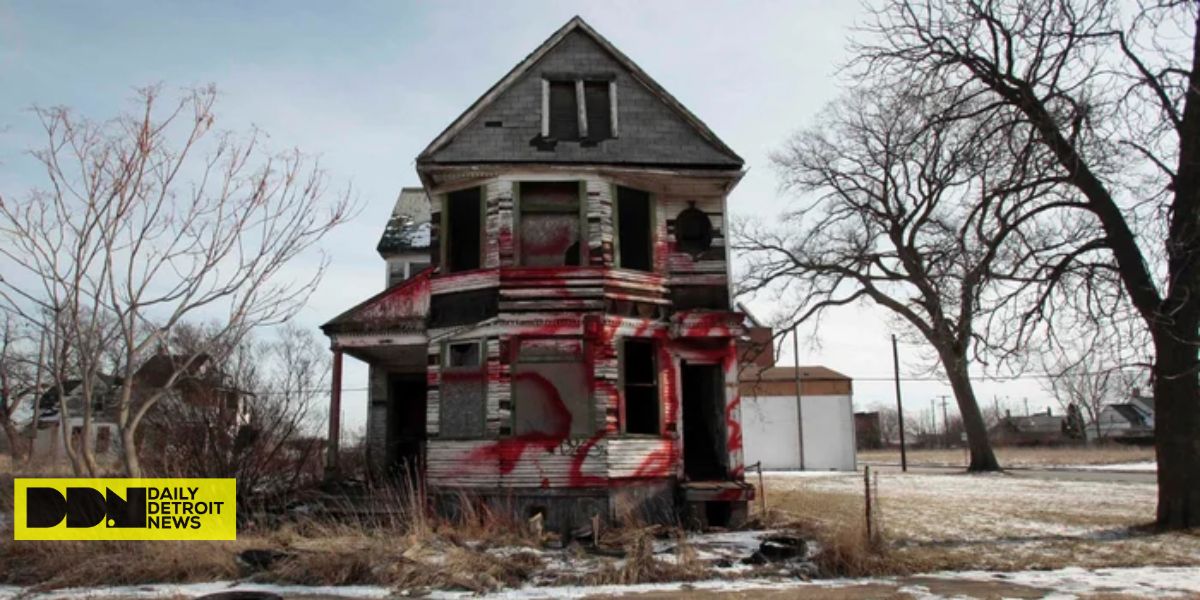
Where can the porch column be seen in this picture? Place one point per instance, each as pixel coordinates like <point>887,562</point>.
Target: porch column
<point>335,416</point>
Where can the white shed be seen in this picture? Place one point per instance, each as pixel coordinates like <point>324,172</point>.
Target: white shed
<point>815,433</point>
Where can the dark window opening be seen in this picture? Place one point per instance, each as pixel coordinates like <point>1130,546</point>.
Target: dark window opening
<point>641,386</point>
<point>463,354</point>
<point>599,110</point>
<point>461,308</point>
<point>693,231</point>
<point>464,230</point>
<point>550,224</point>
<point>633,230</point>
<point>691,297</point>
<point>564,111</point>
<point>493,123</point>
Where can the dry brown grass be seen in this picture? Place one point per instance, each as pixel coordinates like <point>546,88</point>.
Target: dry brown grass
<point>1018,456</point>
<point>955,522</point>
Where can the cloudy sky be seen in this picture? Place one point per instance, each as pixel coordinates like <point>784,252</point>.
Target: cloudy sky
<point>366,85</point>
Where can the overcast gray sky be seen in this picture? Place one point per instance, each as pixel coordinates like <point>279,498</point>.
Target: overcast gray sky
<point>366,85</point>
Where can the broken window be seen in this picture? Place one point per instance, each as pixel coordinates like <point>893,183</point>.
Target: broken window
<point>693,231</point>
<point>599,110</point>
<point>463,410</point>
<point>551,389</point>
<point>634,239</point>
<point>464,220</point>
<point>463,354</point>
<point>639,374</point>
<point>579,107</point>
<point>550,224</point>
<point>564,111</point>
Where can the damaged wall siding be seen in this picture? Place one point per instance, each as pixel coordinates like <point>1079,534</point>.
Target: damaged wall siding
<point>481,436</point>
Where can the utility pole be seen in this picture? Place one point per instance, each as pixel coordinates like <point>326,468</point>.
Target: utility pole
<point>799,398</point>
<point>932,415</point>
<point>1026,406</point>
<point>945,422</point>
<point>899,405</point>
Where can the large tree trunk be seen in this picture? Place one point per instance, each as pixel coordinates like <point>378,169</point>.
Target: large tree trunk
<point>14,439</point>
<point>982,457</point>
<point>1176,421</point>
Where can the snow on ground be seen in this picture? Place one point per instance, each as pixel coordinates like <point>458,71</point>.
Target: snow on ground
<point>1142,582</point>
<point>1141,467</point>
<point>996,521</point>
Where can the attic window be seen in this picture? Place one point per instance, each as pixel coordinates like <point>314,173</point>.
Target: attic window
<point>579,108</point>
<point>564,118</point>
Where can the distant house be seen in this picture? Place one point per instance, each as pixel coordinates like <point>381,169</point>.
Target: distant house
<point>1030,430</point>
<point>1131,421</point>
<point>201,389</point>
<point>46,426</point>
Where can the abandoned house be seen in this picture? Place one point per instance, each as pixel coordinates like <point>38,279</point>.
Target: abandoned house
<point>571,349</point>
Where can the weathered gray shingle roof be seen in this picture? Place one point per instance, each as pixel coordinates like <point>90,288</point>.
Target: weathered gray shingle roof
<point>408,229</point>
<point>504,125</point>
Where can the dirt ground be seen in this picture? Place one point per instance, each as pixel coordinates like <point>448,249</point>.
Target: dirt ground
<point>1017,457</point>
<point>990,522</point>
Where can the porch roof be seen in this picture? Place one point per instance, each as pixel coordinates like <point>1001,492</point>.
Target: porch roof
<point>400,308</point>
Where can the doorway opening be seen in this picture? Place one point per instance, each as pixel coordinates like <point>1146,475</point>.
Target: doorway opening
<point>704,456</point>
<point>406,425</point>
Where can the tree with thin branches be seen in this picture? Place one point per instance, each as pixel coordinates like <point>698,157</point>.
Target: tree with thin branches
<point>913,209</point>
<point>1111,92</point>
<point>146,221</point>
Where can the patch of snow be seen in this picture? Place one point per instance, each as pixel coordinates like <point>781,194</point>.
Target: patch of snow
<point>803,474</point>
<point>192,590</point>
<point>1138,582</point>
<point>1072,582</point>
<point>1141,467</point>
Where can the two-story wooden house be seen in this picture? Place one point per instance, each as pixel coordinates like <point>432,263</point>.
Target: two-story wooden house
<point>572,348</point>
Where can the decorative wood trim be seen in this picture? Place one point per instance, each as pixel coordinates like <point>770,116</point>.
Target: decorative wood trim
<point>545,108</point>
<point>612,106</point>
<point>581,109</point>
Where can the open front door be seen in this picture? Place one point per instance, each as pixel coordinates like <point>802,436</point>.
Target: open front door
<point>406,425</point>
<point>704,455</point>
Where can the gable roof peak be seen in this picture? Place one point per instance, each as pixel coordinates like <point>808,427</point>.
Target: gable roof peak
<point>729,158</point>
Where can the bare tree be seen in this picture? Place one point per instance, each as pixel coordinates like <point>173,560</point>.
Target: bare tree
<point>1112,93</point>
<point>911,208</point>
<point>267,442</point>
<point>148,220</point>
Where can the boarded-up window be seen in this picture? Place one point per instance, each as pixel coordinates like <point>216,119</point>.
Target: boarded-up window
<point>550,224</point>
<point>599,110</point>
<point>551,389</point>
<point>564,111</point>
<point>463,230</point>
<point>636,250</point>
<point>639,373</point>
<point>463,391</point>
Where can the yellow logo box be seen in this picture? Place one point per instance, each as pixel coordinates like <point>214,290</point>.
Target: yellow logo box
<point>124,509</point>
